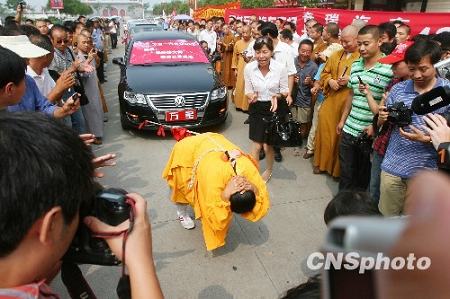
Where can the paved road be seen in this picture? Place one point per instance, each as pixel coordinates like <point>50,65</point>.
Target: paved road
<point>260,260</point>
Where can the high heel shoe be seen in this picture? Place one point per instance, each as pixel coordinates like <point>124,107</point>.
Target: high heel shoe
<point>266,177</point>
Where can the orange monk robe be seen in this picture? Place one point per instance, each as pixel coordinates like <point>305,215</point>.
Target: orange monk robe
<point>238,63</point>
<point>227,74</point>
<point>211,177</point>
<point>326,151</point>
<point>319,47</point>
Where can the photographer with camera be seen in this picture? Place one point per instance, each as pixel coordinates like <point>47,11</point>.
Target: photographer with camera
<point>409,149</point>
<point>36,149</point>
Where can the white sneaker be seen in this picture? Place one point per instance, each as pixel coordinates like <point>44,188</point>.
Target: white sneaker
<point>186,221</point>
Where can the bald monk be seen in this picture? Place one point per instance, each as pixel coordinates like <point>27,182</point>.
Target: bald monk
<point>213,176</point>
<point>333,80</point>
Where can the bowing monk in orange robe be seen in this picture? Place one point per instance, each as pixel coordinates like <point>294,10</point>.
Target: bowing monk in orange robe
<point>212,175</point>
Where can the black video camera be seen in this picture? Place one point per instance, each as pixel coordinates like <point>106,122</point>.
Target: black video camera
<point>110,206</point>
<point>400,114</point>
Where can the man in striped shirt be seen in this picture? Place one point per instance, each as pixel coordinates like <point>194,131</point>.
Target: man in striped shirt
<point>368,79</point>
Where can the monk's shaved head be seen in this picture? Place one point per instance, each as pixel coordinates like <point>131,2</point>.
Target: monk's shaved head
<point>350,31</point>
<point>348,38</point>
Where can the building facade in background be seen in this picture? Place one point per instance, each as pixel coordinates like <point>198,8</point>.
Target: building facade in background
<point>122,8</point>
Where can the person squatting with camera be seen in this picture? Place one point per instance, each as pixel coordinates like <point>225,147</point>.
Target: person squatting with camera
<point>40,213</point>
<point>217,179</point>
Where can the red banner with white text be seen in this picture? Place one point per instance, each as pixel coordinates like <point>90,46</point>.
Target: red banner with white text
<point>56,4</point>
<point>424,23</point>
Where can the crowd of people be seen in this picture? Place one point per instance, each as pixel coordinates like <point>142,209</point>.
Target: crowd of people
<point>339,84</point>
<point>68,60</point>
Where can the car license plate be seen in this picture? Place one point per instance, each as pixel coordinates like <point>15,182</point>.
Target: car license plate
<point>182,115</point>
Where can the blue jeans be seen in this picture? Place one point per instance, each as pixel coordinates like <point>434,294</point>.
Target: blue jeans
<point>375,172</point>
<point>76,122</point>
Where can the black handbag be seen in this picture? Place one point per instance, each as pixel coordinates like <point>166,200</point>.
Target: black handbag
<point>284,131</point>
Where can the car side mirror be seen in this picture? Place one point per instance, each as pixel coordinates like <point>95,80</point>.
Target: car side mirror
<point>118,60</point>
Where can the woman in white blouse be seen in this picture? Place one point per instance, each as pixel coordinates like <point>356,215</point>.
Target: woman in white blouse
<point>265,82</point>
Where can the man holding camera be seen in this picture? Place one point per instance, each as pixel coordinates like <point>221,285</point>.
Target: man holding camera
<point>410,149</point>
<point>36,149</point>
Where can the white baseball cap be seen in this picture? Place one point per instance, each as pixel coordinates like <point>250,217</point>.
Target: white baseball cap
<point>21,45</point>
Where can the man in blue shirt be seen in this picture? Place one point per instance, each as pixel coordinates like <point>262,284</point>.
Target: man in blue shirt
<point>97,38</point>
<point>409,149</point>
<point>33,100</point>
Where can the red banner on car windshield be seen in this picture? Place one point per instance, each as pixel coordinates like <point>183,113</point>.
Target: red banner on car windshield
<point>166,51</point>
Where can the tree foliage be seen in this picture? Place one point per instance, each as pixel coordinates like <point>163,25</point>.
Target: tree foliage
<point>308,3</point>
<point>202,3</point>
<point>256,3</point>
<point>74,8</point>
<point>181,7</point>
<point>12,4</point>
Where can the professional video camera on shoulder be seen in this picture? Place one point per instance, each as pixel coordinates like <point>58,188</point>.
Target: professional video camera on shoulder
<point>431,101</point>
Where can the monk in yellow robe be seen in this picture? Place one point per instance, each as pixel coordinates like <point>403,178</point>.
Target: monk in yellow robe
<point>238,64</point>
<point>334,81</point>
<point>212,175</point>
<point>228,42</point>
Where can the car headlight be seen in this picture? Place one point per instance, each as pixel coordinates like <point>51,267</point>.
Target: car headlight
<point>218,93</point>
<point>134,98</point>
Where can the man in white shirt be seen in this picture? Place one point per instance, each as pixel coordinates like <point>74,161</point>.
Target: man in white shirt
<point>37,69</point>
<point>308,26</point>
<point>295,37</point>
<point>286,37</point>
<point>113,33</point>
<point>209,36</point>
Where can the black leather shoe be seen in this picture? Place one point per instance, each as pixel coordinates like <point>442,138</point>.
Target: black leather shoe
<point>262,155</point>
<point>278,157</point>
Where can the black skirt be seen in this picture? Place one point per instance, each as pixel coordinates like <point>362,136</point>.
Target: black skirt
<point>263,129</point>
<point>259,121</point>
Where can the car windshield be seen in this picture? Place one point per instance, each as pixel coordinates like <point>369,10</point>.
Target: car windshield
<point>146,28</point>
<point>167,51</point>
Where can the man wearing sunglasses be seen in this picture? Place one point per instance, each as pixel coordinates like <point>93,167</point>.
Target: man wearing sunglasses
<point>64,61</point>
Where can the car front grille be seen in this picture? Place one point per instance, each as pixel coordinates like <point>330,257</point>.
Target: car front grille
<point>168,101</point>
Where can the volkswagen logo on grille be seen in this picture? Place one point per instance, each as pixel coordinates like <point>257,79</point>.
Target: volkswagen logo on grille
<point>180,101</point>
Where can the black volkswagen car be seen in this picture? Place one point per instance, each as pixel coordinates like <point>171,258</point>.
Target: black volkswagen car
<point>166,78</point>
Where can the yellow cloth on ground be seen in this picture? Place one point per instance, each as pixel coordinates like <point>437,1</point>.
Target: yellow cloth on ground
<point>326,150</point>
<point>211,177</point>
